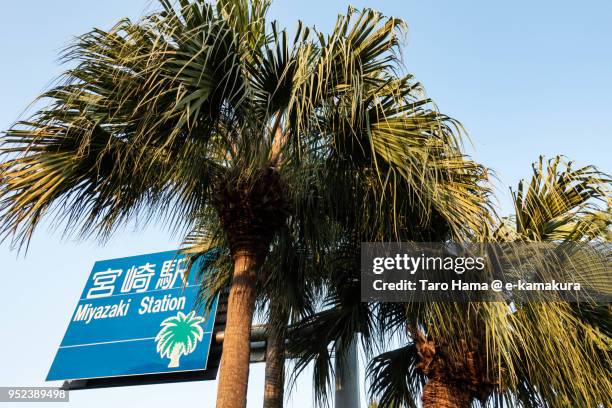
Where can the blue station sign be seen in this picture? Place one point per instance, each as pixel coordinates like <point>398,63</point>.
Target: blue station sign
<point>136,316</point>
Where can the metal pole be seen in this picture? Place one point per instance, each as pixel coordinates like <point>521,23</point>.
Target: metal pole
<point>258,333</point>
<point>347,378</point>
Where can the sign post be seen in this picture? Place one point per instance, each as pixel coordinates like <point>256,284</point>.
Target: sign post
<point>136,317</point>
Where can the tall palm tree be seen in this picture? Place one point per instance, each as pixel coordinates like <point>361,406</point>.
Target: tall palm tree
<point>546,354</point>
<point>202,114</point>
<point>285,293</point>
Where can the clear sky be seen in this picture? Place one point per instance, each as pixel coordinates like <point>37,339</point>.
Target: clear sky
<point>524,77</point>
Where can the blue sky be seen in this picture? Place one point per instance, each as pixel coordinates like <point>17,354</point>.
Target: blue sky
<point>525,78</point>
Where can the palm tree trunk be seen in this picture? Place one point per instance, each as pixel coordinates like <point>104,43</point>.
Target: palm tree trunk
<point>438,393</point>
<point>234,370</point>
<point>275,357</point>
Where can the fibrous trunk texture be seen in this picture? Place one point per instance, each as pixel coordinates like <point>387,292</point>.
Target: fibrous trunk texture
<point>275,357</point>
<point>234,371</point>
<point>439,393</point>
<point>251,209</point>
<point>455,378</point>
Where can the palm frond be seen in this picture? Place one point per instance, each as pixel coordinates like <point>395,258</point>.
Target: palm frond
<point>395,380</point>
<point>560,202</point>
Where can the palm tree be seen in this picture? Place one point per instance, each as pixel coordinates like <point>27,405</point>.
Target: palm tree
<point>179,336</point>
<point>285,294</point>
<point>208,115</point>
<point>543,354</point>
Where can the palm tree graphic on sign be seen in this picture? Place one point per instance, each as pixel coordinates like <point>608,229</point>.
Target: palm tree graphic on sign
<point>179,336</point>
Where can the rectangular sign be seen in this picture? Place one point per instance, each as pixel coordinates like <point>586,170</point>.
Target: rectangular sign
<point>136,316</point>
